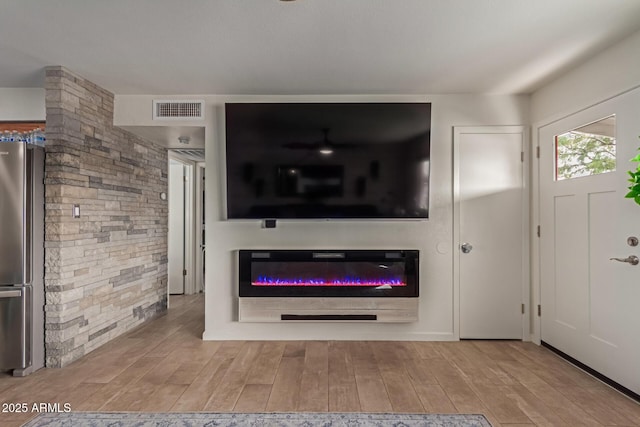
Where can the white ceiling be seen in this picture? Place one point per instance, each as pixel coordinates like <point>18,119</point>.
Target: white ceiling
<point>308,46</point>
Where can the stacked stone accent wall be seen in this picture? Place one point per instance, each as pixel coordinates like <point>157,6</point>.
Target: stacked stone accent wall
<point>105,272</point>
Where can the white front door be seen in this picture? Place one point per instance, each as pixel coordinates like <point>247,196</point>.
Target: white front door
<point>490,230</point>
<point>589,301</point>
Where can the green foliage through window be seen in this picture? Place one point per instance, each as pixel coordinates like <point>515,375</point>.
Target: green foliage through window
<point>634,186</point>
<point>583,154</point>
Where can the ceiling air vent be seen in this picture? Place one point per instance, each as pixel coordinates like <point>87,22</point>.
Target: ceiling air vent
<point>172,110</point>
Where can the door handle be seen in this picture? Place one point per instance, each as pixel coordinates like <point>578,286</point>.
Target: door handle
<point>10,294</point>
<point>466,248</point>
<point>631,259</point>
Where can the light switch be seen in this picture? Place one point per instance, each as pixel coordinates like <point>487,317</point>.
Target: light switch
<point>76,211</point>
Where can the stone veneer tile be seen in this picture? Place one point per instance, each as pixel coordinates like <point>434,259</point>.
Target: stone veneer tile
<point>106,271</point>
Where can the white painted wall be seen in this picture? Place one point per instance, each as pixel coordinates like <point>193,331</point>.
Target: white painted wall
<point>22,104</point>
<point>612,72</point>
<point>224,237</point>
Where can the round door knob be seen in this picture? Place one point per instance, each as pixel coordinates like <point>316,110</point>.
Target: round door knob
<point>466,248</point>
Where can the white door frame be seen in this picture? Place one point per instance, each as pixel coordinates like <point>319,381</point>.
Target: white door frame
<point>458,131</point>
<point>199,206</point>
<point>534,152</point>
<point>190,238</point>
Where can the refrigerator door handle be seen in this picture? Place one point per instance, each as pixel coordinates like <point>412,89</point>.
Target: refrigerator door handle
<point>10,294</point>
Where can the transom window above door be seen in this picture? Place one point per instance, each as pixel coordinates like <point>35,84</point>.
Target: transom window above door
<point>586,150</point>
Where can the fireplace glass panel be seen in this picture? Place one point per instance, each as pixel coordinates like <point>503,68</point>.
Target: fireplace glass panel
<point>325,274</point>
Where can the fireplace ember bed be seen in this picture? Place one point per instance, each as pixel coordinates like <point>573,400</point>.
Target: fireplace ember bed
<point>328,285</point>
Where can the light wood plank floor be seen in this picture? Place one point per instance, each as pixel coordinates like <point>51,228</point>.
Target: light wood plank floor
<point>165,366</point>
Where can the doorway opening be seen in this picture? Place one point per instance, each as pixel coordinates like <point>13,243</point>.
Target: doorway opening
<point>587,240</point>
<point>185,225</point>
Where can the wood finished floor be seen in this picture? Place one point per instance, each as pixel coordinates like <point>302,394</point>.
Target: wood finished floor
<point>165,366</point>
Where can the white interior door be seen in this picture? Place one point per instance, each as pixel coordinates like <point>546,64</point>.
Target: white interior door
<point>491,234</point>
<point>590,302</point>
<point>176,238</point>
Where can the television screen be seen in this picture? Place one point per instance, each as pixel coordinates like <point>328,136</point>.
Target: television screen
<point>327,160</point>
<point>310,181</point>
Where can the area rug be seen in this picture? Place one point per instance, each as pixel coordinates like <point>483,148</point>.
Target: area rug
<point>300,419</point>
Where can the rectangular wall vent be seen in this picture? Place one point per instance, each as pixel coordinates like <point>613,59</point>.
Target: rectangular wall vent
<point>170,110</point>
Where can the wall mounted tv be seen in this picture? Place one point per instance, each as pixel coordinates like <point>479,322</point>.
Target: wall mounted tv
<point>328,160</point>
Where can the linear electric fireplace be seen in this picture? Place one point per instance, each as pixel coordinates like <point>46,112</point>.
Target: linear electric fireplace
<point>328,285</point>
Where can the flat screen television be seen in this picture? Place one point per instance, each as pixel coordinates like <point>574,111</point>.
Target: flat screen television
<point>328,160</point>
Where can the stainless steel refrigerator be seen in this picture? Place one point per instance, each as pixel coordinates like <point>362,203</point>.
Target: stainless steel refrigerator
<point>21,257</point>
